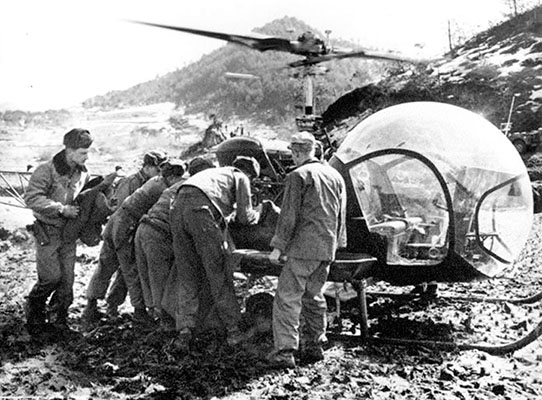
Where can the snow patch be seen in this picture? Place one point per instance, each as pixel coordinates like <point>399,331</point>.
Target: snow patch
<point>536,94</point>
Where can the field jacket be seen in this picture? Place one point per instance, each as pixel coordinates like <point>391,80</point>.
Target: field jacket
<point>311,224</point>
<point>139,202</point>
<point>228,189</point>
<point>53,185</point>
<point>158,215</point>
<point>126,186</point>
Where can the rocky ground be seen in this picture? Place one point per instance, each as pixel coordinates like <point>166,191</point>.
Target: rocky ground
<point>116,360</point>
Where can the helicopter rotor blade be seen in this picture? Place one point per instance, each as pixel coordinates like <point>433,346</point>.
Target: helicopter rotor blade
<point>311,49</point>
<point>257,42</point>
<point>354,54</point>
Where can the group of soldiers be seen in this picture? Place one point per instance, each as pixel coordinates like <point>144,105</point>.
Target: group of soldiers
<point>167,241</point>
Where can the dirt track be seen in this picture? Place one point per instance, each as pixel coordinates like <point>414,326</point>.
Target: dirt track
<point>117,361</point>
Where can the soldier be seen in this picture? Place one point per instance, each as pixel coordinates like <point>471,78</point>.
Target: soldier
<point>198,225</point>
<point>51,192</point>
<point>128,185</point>
<point>125,187</point>
<point>118,248</point>
<point>198,164</point>
<point>154,251</point>
<point>309,231</point>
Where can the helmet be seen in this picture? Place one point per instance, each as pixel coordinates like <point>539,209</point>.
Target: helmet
<point>249,165</point>
<point>172,167</point>
<point>198,164</point>
<point>154,158</point>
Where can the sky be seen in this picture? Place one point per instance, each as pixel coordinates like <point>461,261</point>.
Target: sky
<point>57,53</point>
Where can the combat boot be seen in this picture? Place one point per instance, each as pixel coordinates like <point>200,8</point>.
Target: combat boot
<point>236,337</point>
<point>59,321</point>
<point>166,322</point>
<point>312,353</point>
<point>112,311</point>
<point>35,315</point>
<point>182,343</point>
<point>282,359</point>
<point>142,317</point>
<point>91,314</point>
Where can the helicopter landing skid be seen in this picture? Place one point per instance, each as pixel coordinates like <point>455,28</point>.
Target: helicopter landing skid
<point>448,346</point>
<point>475,299</point>
<point>502,349</point>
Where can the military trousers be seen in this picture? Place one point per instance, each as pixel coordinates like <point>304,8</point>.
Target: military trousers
<point>118,291</point>
<point>117,252</point>
<point>204,276</point>
<point>300,294</point>
<point>154,258</point>
<point>55,264</point>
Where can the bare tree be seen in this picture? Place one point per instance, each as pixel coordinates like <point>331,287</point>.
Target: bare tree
<point>515,7</point>
<point>457,34</point>
<point>450,44</point>
<point>519,6</point>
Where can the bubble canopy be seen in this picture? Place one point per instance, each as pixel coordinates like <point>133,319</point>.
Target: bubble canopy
<point>433,179</point>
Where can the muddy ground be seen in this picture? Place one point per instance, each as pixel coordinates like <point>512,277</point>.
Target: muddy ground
<point>116,360</point>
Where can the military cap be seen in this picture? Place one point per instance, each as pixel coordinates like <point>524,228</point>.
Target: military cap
<point>304,139</point>
<point>198,164</point>
<point>154,158</point>
<point>78,138</point>
<point>249,165</point>
<point>172,167</point>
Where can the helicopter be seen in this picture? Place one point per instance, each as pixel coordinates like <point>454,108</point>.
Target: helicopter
<point>426,202</point>
<point>307,45</point>
<point>427,199</point>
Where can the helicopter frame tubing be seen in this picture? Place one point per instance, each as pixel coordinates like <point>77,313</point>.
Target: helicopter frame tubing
<point>13,184</point>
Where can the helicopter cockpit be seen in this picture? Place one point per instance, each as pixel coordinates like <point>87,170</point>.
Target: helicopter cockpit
<point>434,180</point>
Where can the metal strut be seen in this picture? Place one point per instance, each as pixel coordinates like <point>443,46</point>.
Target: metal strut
<point>11,191</point>
<point>448,346</point>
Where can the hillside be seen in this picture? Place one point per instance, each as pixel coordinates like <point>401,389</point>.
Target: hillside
<point>482,75</point>
<point>273,98</point>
